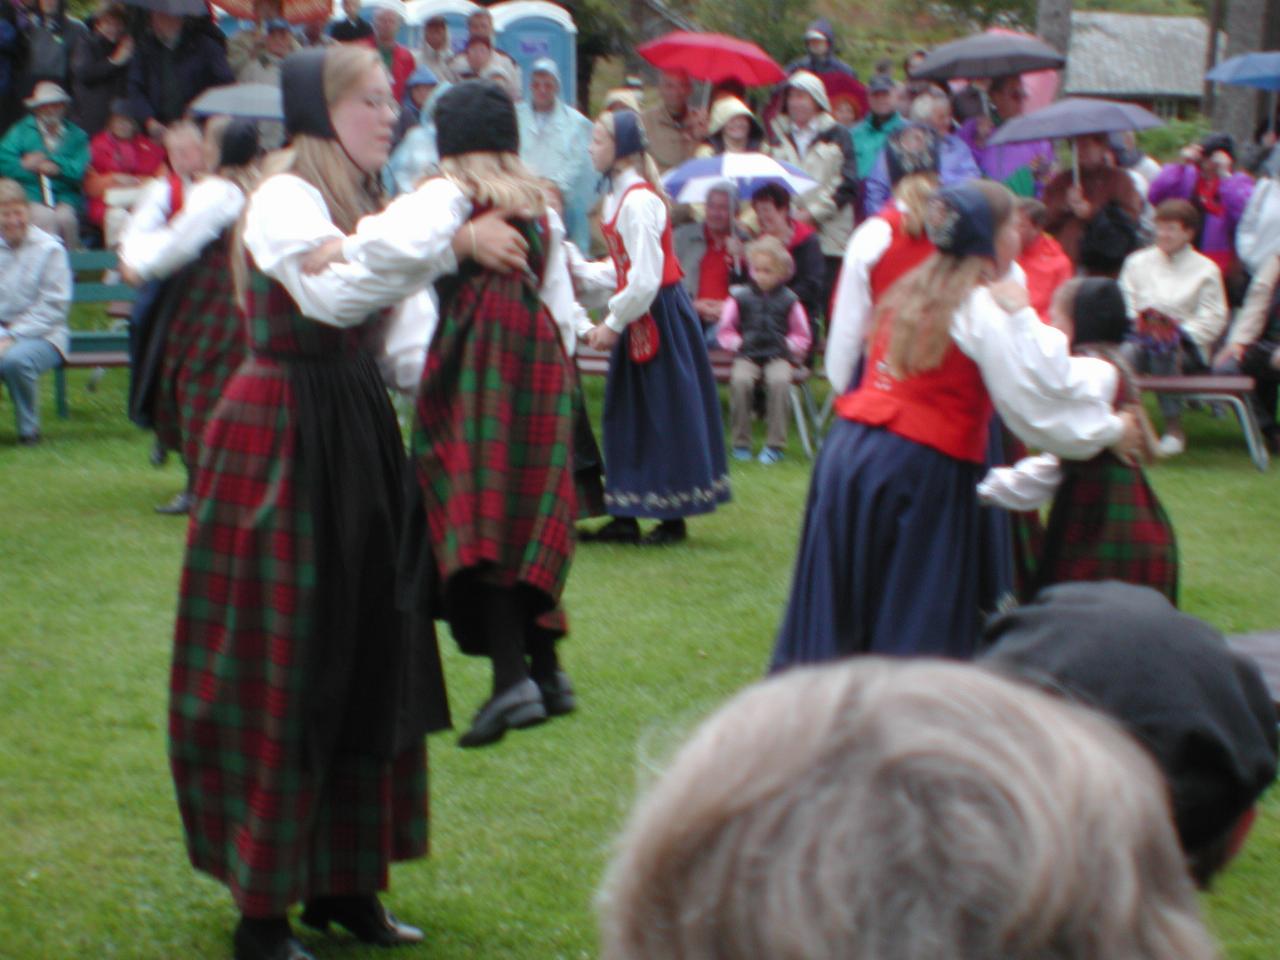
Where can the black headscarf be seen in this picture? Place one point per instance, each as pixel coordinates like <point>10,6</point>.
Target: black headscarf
<point>1099,313</point>
<point>302,88</point>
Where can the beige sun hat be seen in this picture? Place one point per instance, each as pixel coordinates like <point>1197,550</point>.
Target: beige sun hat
<point>45,93</point>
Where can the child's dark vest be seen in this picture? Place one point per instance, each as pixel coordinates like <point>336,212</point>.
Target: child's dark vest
<point>763,319</point>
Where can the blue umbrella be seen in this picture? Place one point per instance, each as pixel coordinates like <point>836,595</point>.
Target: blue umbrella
<point>689,182</point>
<point>1260,70</point>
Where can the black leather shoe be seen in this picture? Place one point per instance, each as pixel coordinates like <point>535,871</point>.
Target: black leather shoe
<point>557,695</point>
<point>265,940</point>
<point>30,440</point>
<point>520,705</point>
<point>617,530</point>
<point>364,917</point>
<point>180,505</point>
<point>668,531</point>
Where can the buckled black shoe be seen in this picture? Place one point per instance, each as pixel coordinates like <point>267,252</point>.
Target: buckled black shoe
<point>617,530</point>
<point>180,505</point>
<point>557,695</point>
<point>266,940</point>
<point>364,917</point>
<point>520,705</point>
<point>668,531</point>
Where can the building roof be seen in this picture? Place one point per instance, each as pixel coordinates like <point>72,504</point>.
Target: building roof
<point>1130,55</point>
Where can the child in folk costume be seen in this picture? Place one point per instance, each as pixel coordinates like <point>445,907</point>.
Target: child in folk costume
<point>890,553</point>
<point>882,249</point>
<point>299,693</point>
<point>197,333</point>
<point>664,455</point>
<point>493,435</point>
<point>765,326</point>
<point>1106,522</point>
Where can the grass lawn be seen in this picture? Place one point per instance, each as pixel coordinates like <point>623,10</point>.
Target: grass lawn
<point>91,854</point>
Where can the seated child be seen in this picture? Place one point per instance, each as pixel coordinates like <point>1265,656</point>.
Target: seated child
<point>765,326</point>
<point>1106,522</point>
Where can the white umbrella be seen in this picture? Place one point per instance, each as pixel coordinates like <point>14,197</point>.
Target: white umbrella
<point>690,182</point>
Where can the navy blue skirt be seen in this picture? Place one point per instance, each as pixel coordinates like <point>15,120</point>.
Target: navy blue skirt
<point>664,453</point>
<point>889,556</point>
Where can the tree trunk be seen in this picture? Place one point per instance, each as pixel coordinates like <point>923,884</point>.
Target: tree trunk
<point>1216,13</point>
<point>1053,23</point>
<point>1235,108</point>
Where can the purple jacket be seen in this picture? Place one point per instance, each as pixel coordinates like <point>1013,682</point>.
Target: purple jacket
<point>1002,162</point>
<point>1178,181</point>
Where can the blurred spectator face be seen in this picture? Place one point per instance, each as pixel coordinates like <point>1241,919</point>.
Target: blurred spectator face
<point>882,102</point>
<point>765,271</point>
<point>50,114</point>
<point>436,32</point>
<point>278,42</point>
<point>165,25</point>
<point>479,54</point>
<point>801,107</point>
<point>122,127</point>
<point>543,89</point>
<point>913,62</point>
<point>109,26</point>
<point>1172,236</point>
<point>845,111</point>
<point>420,92</point>
<point>736,131</point>
<point>719,212</point>
<point>818,47</point>
<point>674,90</point>
<point>14,218</point>
<point>186,154</point>
<point>773,219</point>
<point>940,117</point>
<point>1092,150</point>
<point>49,7</point>
<point>385,25</point>
<point>480,24</point>
<point>1008,98</point>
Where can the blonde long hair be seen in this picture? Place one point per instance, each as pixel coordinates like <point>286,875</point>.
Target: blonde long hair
<point>913,192</point>
<point>923,302</point>
<point>496,180</point>
<point>643,162</point>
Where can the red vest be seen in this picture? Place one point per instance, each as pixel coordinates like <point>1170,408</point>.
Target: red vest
<point>903,255</point>
<point>175,195</point>
<point>671,272</point>
<point>946,408</point>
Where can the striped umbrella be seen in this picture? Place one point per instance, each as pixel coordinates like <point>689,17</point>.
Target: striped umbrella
<point>689,182</point>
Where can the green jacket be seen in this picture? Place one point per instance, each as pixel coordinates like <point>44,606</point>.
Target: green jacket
<point>869,139</point>
<point>71,155</point>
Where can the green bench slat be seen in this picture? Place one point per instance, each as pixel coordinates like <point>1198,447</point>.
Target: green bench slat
<point>103,292</point>
<point>92,260</point>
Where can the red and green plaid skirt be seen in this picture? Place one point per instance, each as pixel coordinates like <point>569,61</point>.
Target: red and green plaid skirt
<point>1107,524</point>
<point>204,345</point>
<point>259,815</point>
<point>493,437</point>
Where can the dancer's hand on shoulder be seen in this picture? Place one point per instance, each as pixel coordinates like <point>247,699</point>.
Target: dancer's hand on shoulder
<point>493,243</point>
<point>320,259</point>
<point>1009,295</point>
<point>1134,445</point>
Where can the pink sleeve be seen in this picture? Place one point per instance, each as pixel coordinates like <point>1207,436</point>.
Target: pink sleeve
<point>727,333</point>
<point>798,334</point>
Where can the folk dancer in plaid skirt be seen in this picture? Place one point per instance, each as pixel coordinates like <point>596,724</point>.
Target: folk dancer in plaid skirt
<point>664,453</point>
<point>889,557</point>
<point>198,339</point>
<point>1106,522</point>
<point>300,692</point>
<point>493,432</point>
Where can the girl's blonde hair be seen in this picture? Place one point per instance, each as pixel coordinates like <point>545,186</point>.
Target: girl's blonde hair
<point>913,192</point>
<point>923,302</point>
<point>642,162</point>
<point>772,248</point>
<point>490,179</point>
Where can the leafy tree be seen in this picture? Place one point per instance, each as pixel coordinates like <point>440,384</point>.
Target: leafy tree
<point>776,25</point>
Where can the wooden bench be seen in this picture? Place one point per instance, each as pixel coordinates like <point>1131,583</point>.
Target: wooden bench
<point>95,350</point>
<point>1234,391</point>
<point>595,363</point>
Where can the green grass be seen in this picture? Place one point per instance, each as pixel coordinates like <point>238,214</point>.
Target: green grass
<point>91,855</point>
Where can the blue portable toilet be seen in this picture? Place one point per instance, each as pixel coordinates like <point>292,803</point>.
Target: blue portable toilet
<point>529,29</point>
<point>455,13</point>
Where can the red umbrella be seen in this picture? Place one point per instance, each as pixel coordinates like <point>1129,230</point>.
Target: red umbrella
<point>712,57</point>
<point>295,11</point>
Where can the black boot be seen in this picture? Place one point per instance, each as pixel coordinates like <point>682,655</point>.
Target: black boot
<point>364,917</point>
<point>617,530</point>
<point>267,938</point>
<point>668,531</point>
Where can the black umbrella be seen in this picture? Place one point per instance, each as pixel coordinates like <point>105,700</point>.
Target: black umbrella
<point>988,55</point>
<point>1075,117</point>
<point>254,101</point>
<point>178,8</point>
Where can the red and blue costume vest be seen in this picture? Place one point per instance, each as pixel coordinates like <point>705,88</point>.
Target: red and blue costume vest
<point>671,272</point>
<point>903,254</point>
<point>947,408</point>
